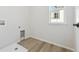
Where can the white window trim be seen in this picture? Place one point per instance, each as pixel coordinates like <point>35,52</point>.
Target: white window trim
<point>57,21</point>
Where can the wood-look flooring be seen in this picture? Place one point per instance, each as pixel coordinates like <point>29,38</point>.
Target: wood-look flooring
<point>35,45</point>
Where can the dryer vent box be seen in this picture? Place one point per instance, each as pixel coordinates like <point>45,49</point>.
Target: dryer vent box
<point>22,33</point>
<point>2,22</point>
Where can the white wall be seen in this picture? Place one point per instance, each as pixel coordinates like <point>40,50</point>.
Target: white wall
<point>60,33</point>
<point>14,16</point>
<point>77,29</point>
<point>35,21</point>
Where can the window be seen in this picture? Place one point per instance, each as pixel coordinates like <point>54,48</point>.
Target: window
<point>56,14</point>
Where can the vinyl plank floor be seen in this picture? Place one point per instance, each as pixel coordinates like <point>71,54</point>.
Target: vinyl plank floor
<point>35,45</point>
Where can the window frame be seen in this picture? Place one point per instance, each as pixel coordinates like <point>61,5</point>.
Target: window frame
<point>61,19</point>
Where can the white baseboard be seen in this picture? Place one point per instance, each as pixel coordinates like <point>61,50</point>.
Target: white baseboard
<point>23,38</point>
<point>54,43</point>
<point>27,37</point>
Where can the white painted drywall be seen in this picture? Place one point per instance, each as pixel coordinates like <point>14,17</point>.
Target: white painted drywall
<point>77,29</point>
<point>14,16</point>
<point>60,33</point>
<point>35,21</point>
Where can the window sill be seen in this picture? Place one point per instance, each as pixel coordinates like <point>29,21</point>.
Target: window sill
<point>59,23</point>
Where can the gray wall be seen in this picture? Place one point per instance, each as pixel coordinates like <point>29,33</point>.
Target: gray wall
<point>60,33</point>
